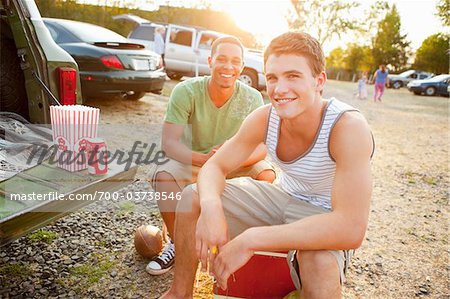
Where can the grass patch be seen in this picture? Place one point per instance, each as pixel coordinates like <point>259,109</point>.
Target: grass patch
<point>15,270</point>
<point>126,207</point>
<point>430,180</point>
<point>90,273</point>
<point>43,236</point>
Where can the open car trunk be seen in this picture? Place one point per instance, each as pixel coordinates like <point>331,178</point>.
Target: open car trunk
<point>18,217</point>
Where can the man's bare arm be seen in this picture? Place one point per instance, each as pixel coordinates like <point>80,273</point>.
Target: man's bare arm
<point>175,149</point>
<point>247,143</point>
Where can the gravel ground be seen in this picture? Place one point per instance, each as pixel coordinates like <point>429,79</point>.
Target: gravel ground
<point>90,254</point>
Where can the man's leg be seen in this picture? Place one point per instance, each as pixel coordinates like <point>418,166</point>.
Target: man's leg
<point>186,262</point>
<point>320,275</point>
<point>168,181</point>
<point>261,171</point>
<point>165,182</point>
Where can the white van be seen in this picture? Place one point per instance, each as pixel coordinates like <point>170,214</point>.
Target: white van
<point>188,48</point>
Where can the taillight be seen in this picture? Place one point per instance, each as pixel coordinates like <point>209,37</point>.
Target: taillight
<point>67,85</point>
<point>112,61</point>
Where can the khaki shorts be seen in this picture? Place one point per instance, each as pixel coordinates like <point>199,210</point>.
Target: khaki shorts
<point>249,203</point>
<point>185,174</point>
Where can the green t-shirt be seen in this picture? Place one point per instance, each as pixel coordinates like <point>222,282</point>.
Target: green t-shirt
<point>191,105</point>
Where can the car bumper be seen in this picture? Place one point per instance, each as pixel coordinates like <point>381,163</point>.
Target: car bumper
<point>122,81</point>
<point>415,88</point>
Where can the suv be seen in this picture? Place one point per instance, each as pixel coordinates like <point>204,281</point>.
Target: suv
<point>35,73</point>
<point>187,49</point>
<point>400,80</point>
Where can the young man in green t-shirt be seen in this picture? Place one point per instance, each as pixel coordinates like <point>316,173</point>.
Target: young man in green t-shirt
<point>203,113</point>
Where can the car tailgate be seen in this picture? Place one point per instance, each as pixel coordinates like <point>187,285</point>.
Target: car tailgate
<point>18,217</point>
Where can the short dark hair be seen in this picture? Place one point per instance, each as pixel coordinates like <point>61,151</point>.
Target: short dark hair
<point>226,40</point>
<point>298,43</point>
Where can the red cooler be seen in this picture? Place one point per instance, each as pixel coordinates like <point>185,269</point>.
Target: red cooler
<point>266,275</point>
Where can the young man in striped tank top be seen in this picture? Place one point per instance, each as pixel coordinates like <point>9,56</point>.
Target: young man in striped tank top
<point>319,208</point>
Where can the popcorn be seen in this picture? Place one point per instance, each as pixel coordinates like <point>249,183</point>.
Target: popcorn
<point>71,126</point>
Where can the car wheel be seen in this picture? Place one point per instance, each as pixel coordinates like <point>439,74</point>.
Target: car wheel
<point>397,84</point>
<point>174,76</point>
<point>417,93</point>
<point>135,96</point>
<point>249,77</point>
<point>430,91</point>
<point>12,82</point>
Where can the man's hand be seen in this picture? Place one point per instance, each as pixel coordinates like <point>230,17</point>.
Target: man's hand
<point>231,257</point>
<point>212,231</point>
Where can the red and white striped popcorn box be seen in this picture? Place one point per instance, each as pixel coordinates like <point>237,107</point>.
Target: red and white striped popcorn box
<point>71,125</point>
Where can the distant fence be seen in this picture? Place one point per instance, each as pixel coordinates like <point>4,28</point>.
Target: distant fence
<point>345,75</point>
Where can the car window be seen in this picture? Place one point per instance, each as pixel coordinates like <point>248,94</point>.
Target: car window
<point>206,41</point>
<point>144,32</point>
<point>91,33</point>
<point>422,76</point>
<point>59,35</point>
<point>181,37</point>
<point>413,76</point>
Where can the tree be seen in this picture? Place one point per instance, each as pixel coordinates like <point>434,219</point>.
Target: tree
<point>443,7</point>
<point>323,19</point>
<point>433,54</point>
<point>389,45</point>
<point>335,59</point>
<point>358,58</point>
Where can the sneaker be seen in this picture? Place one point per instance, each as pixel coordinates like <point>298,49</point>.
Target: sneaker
<point>163,262</point>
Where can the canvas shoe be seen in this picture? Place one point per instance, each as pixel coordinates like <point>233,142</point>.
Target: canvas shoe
<point>163,262</point>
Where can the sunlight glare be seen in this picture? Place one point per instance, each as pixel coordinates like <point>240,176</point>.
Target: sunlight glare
<point>264,19</point>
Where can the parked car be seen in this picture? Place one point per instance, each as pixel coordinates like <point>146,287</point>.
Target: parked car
<point>187,49</point>
<point>400,80</point>
<point>109,63</point>
<point>438,85</point>
<point>36,73</point>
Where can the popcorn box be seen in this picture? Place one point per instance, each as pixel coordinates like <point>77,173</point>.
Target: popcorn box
<point>266,275</point>
<point>71,125</point>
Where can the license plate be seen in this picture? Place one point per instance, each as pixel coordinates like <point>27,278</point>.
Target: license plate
<point>141,65</point>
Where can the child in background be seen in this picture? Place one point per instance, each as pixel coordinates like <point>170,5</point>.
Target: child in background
<point>362,88</point>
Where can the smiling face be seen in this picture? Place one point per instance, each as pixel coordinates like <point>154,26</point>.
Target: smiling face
<point>291,86</point>
<point>226,65</point>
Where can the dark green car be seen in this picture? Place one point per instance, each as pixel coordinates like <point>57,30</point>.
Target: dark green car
<point>35,74</point>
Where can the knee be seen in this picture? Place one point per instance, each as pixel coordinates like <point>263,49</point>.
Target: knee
<point>316,261</point>
<point>319,274</point>
<point>163,177</point>
<point>188,201</point>
<point>267,175</point>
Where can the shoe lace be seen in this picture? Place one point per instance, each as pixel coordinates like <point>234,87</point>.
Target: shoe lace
<point>168,253</point>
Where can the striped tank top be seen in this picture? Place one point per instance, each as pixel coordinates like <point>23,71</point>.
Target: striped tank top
<point>310,176</point>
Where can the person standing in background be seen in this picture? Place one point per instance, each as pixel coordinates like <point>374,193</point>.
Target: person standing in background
<point>362,87</point>
<point>381,80</point>
<point>160,45</point>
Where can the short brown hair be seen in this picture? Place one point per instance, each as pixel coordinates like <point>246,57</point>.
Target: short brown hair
<point>298,43</point>
<point>226,40</point>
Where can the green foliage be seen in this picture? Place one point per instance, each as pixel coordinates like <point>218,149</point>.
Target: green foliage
<point>323,19</point>
<point>15,270</point>
<point>390,46</point>
<point>43,236</point>
<point>433,54</point>
<point>126,207</point>
<point>443,7</point>
<point>358,58</point>
<point>102,16</point>
<point>335,59</point>
<point>92,273</point>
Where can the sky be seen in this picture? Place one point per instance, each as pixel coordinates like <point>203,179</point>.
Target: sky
<point>266,18</point>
